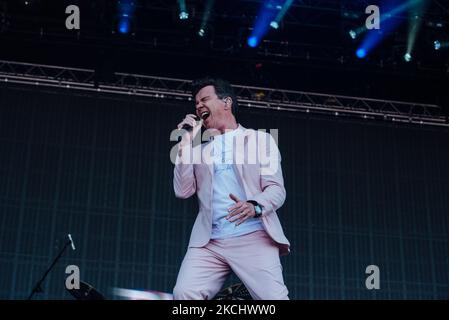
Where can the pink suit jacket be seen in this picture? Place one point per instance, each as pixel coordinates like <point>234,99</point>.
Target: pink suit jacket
<point>267,189</point>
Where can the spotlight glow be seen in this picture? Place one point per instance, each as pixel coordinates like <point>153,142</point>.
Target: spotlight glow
<point>352,34</point>
<point>415,21</point>
<point>252,42</point>
<point>274,24</point>
<point>437,45</point>
<point>361,53</point>
<point>389,22</point>
<point>125,12</point>
<point>183,15</point>
<point>206,15</point>
<point>407,57</point>
<point>270,14</point>
<point>123,26</point>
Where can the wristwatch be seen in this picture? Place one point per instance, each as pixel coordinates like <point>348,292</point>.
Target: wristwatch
<point>257,208</point>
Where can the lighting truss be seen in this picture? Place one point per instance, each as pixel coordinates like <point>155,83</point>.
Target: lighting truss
<point>277,100</point>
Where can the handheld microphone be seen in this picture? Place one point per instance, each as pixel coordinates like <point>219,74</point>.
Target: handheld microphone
<point>188,127</point>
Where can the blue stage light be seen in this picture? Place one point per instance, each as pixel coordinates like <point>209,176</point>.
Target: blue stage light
<point>253,42</point>
<point>437,45</point>
<point>270,14</point>
<point>183,15</point>
<point>274,24</point>
<point>125,13</point>
<point>124,25</point>
<point>361,53</point>
<point>352,34</point>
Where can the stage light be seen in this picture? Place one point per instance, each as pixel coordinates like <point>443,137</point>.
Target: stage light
<point>29,2</point>
<point>440,45</point>
<point>253,42</point>
<point>183,14</point>
<point>205,19</point>
<point>407,57</point>
<point>282,11</point>
<point>270,15</point>
<point>123,26</point>
<point>361,53</point>
<point>416,11</point>
<point>389,21</point>
<point>352,34</point>
<point>125,10</point>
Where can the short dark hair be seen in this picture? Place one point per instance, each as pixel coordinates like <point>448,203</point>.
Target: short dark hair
<point>223,89</point>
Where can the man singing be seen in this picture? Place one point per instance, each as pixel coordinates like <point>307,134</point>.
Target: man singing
<point>237,227</point>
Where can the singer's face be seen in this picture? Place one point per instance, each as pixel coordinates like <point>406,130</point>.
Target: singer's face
<point>209,107</point>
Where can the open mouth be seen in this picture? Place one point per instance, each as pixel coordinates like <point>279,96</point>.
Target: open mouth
<point>204,115</point>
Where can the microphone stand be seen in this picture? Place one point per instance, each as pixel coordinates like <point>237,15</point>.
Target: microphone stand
<point>37,288</point>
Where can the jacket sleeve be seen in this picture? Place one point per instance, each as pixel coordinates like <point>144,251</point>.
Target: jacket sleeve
<point>273,192</point>
<point>184,182</point>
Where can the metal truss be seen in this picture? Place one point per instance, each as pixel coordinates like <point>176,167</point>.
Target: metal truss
<point>35,73</point>
<point>277,100</point>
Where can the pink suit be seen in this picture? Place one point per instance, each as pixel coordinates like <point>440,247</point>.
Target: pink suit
<point>253,257</point>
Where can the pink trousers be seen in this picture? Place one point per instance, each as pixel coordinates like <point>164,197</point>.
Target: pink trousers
<point>253,257</point>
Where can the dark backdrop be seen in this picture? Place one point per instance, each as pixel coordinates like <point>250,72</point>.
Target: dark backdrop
<point>98,167</point>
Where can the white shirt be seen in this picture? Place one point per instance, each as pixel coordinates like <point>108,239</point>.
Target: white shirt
<point>227,180</point>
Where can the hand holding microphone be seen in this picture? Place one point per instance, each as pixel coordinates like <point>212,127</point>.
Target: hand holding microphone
<point>187,123</point>
<point>192,124</point>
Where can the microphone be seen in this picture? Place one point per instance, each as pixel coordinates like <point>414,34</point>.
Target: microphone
<point>71,242</point>
<point>188,127</point>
